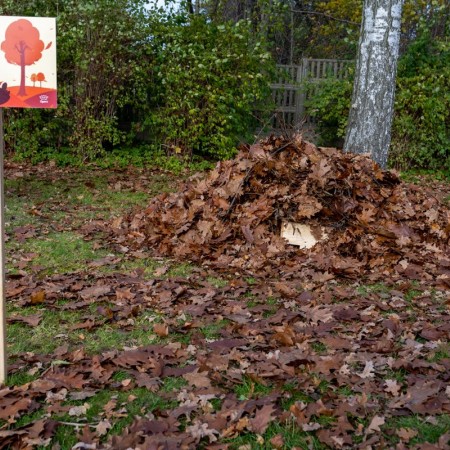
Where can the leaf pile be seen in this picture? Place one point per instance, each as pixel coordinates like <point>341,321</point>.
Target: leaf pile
<point>232,218</point>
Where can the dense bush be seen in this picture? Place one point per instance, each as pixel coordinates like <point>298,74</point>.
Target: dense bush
<point>127,72</point>
<point>421,126</point>
<point>102,66</point>
<point>211,78</point>
<point>329,105</point>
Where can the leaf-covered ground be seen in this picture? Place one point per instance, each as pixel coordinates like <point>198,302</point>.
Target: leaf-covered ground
<point>189,323</point>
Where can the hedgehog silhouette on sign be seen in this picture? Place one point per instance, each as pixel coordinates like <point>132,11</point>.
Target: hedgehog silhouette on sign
<point>4,94</point>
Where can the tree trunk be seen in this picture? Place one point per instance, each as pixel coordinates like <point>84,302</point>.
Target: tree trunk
<point>22,91</point>
<point>190,7</point>
<point>370,118</point>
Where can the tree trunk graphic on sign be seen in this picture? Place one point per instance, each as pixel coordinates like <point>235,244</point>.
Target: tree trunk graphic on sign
<point>40,77</point>
<point>23,47</point>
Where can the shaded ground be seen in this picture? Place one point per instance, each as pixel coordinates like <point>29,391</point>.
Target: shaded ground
<point>114,347</point>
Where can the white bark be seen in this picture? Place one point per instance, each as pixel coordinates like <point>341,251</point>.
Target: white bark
<point>371,111</point>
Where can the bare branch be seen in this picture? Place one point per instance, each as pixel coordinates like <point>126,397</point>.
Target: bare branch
<point>328,16</point>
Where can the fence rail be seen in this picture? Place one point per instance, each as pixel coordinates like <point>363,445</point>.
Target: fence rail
<point>289,91</point>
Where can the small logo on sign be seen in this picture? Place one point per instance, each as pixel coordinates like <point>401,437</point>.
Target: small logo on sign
<point>43,98</point>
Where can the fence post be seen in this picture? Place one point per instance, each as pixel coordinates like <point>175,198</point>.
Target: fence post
<point>300,94</point>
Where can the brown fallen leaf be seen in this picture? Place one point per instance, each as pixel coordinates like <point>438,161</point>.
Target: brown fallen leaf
<point>78,411</point>
<point>262,419</point>
<point>32,319</point>
<point>37,298</point>
<point>375,424</point>
<point>392,387</point>
<point>198,379</point>
<point>161,329</point>
<point>95,291</point>
<point>406,434</point>
<point>277,441</point>
<point>103,427</point>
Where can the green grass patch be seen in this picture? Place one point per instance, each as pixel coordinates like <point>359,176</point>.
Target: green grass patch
<point>378,288</point>
<point>171,384</point>
<point>428,430</point>
<point>62,252</point>
<point>250,389</point>
<point>293,394</point>
<point>411,295</point>
<point>20,378</point>
<point>442,352</point>
<point>291,435</point>
<point>41,339</point>
<point>217,282</point>
<point>181,270</point>
<point>55,330</point>
<point>319,347</point>
<point>136,402</point>
<point>212,331</point>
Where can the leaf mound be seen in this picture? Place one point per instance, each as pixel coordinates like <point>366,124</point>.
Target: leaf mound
<point>232,217</point>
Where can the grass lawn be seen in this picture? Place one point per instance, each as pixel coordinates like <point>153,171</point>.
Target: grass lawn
<point>107,342</point>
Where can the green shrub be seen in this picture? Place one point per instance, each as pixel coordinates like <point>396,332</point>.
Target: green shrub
<point>421,125</point>
<point>211,78</point>
<point>328,104</point>
<point>103,65</point>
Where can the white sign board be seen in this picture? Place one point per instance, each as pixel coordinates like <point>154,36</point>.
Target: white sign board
<point>28,62</point>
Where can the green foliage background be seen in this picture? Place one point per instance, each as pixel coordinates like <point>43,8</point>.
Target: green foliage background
<point>129,73</point>
<point>421,126</point>
<point>211,78</point>
<point>161,83</point>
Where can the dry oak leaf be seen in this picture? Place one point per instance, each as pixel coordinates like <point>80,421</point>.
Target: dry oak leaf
<point>201,430</point>
<point>103,427</point>
<point>392,387</point>
<point>161,329</point>
<point>318,314</point>
<point>95,291</point>
<point>375,424</point>
<point>406,434</point>
<point>368,371</point>
<point>79,410</point>
<point>37,297</point>
<point>197,379</point>
<point>262,419</point>
<point>277,441</point>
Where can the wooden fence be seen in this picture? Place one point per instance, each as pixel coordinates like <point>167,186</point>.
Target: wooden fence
<point>290,93</point>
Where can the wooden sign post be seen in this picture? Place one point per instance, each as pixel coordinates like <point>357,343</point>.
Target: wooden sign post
<point>27,57</point>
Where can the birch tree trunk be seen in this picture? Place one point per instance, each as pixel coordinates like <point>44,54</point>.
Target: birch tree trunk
<point>370,117</point>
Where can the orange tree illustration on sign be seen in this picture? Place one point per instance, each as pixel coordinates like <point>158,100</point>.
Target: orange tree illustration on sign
<point>23,47</point>
<point>40,77</point>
